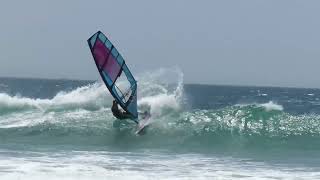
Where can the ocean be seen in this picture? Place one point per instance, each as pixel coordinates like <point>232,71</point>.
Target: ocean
<point>64,129</point>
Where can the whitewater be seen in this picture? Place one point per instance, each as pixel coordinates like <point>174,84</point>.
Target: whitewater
<point>64,129</point>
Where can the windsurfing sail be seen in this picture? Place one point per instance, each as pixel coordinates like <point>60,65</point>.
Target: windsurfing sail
<point>114,72</point>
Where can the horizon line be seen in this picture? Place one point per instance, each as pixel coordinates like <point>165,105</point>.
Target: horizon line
<point>201,84</point>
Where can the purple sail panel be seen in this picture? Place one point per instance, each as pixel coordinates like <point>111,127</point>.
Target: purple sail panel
<point>110,65</point>
<point>100,52</point>
<point>112,68</point>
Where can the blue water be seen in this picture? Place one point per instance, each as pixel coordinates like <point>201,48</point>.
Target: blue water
<point>63,129</point>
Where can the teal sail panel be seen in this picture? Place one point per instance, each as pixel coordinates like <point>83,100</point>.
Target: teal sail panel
<point>114,72</point>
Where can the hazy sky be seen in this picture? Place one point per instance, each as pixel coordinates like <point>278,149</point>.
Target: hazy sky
<point>257,42</point>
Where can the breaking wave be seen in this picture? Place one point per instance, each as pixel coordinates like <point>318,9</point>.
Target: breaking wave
<point>82,117</point>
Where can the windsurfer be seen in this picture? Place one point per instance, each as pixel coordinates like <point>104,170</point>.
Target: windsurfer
<point>118,113</point>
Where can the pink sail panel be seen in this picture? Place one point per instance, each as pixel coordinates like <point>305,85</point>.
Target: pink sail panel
<point>110,65</point>
<point>112,68</point>
<point>100,52</point>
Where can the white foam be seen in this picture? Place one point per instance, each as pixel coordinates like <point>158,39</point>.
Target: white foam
<point>152,87</point>
<point>152,91</point>
<point>155,93</point>
<point>80,96</point>
<point>117,165</point>
<point>272,106</point>
<point>16,101</point>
